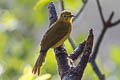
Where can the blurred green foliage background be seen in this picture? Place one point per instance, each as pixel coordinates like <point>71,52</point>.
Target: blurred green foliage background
<point>20,22</point>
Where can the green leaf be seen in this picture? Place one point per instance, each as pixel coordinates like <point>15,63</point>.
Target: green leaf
<point>68,46</point>
<point>41,3</point>
<point>115,54</point>
<point>50,63</point>
<point>44,77</point>
<point>28,75</point>
<point>89,73</point>
<point>3,40</point>
<point>73,5</point>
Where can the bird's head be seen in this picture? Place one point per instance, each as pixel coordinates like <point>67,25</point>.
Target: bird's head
<point>66,16</point>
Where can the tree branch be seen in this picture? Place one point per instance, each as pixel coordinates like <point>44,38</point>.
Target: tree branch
<point>76,73</point>
<point>97,45</point>
<point>115,23</point>
<point>66,71</point>
<point>110,17</point>
<point>77,52</point>
<point>62,5</point>
<point>100,11</point>
<point>52,13</point>
<point>86,53</point>
<point>96,70</point>
<point>106,24</point>
<point>71,42</point>
<point>62,61</point>
<point>81,10</point>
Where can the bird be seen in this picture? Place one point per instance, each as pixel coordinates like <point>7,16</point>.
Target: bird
<point>55,36</point>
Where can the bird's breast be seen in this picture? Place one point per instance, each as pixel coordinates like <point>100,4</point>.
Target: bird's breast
<point>60,42</point>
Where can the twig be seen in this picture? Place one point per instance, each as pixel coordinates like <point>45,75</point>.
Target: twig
<point>96,70</point>
<point>81,10</point>
<point>62,5</point>
<point>115,23</point>
<point>71,42</point>
<point>106,25</point>
<point>77,52</point>
<point>111,17</point>
<point>100,11</point>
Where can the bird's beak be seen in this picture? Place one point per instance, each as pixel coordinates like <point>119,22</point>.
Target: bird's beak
<point>72,16</point>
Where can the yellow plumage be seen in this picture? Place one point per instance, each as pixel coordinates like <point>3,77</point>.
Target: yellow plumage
<point>54,37</point>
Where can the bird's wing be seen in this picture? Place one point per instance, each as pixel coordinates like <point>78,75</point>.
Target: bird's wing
<point>54,34</point>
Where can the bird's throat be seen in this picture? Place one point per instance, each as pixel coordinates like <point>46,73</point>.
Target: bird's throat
<point>70,20</point>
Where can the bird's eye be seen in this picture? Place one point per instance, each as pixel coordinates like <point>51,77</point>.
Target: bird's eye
<point>64,16</point>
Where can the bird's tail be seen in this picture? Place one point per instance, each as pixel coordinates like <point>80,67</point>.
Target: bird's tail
<point>39,62</point>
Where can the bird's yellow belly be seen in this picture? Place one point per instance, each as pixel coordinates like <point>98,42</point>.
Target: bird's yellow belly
<point>61,41</point>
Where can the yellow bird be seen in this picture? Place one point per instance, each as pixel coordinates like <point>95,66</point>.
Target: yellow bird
<point>54,37</point>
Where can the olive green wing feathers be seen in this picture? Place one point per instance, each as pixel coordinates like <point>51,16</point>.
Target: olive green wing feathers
<point>54,34</point>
